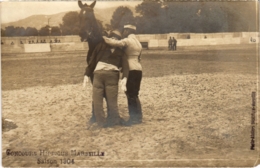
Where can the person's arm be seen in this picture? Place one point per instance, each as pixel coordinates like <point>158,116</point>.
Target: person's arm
<point>125,66</point>
<point>92,65</point>
<point>125,69</point>
<point>92,62</point>
<point>115,43</point>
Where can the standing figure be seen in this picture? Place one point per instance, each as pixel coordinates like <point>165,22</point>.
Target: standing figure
<point>104,67</point>
<point>170,44</point>
<point>131,85</point>
<point>174,46</point>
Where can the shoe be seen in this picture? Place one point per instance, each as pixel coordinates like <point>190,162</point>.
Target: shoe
<point>110,123</point>
<point>92,120</point>
<point>132,122</point>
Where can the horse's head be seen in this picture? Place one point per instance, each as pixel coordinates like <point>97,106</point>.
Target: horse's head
<point>88,22</point>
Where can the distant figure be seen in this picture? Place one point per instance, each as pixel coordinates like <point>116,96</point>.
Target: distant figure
<point>51,41</point>
<point>174,44</point>
<point>21,42</point>
<point>29,42</point>
<point>170,44</point>
<point>12,43</point>
<point>41,41</point>
<point>44,41</point>
<point>55,40</point>
<point>32,41</point>
<point>58,41</point>
<point>205,37</point>
<point>2,42</point>
<point>37,41</point>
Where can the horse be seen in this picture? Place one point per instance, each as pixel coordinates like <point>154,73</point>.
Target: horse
<point>90,29</point>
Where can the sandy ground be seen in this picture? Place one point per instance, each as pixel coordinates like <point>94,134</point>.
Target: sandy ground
<point>186,117</point>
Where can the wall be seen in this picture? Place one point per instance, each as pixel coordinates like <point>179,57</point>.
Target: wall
<point>72,43</point>
<point>44,47</point>
<point>25,40</point>
<point>194,42</point>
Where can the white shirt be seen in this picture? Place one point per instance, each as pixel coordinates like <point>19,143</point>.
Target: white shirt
<point>133,49</point>
<point>105,66</point>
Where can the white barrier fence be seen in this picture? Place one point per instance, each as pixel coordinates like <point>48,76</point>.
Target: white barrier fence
<point>72,43</point>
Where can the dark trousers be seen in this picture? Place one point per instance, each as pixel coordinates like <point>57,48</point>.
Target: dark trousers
<point>170,46</point>
<point>106,83</point>
<point>133,87</point>
<point>174,47</point>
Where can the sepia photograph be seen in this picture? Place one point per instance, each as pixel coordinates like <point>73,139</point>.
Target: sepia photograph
<point>153,83</point>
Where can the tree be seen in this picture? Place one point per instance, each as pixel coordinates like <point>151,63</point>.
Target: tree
<point>30,31</point>
<point>19,31</point>
<point>70,25</point>
<point>55,31</point>
<point>10,31</point>
<point>180,17</point>
<point>197,17</point>
<point>151,16</point>
<point>44,31</point>
<point>121,16</point>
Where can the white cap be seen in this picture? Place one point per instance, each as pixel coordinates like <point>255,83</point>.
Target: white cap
<point>130,27</point>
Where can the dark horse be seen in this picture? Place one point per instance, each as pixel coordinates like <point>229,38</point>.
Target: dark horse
<point>90,29</point>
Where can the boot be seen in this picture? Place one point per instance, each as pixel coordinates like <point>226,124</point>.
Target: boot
<point>135,111</point>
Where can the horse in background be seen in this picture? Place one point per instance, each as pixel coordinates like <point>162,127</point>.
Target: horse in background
<point>90,29</point>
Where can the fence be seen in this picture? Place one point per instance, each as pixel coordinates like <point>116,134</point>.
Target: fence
<point>72,43</point>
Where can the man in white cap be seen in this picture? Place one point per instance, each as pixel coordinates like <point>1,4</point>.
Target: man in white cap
<point>104,65</point>
<point>131,85</point>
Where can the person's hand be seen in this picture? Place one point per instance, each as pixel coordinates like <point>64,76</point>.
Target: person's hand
<point>85,81</point>
<point>123,84</point>
<point>104,37</point>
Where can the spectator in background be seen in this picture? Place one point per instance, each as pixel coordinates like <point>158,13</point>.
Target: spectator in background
<point>170,44</point>
<point>174,46</point>
<point>44,41</point>
<point>37,41</point>
<point>51,41</point>
<point>2,42</point>
<point>21,42</point>
<point>12,43</point>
